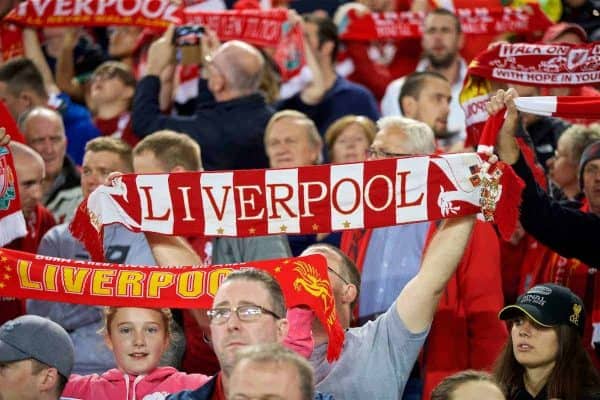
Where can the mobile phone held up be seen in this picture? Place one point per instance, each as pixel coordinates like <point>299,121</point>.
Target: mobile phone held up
<point>188,35</point>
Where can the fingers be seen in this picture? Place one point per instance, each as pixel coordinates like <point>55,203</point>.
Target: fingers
<point>4,137</point>
<point>502,99</point>
<point>109,179</point>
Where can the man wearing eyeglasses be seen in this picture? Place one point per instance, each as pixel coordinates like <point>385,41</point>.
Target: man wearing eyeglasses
<point>248,309</point>
<point>377,358</point>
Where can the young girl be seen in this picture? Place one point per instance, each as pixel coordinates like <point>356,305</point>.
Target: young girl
<point>138,337</point>
<point>544,357</point>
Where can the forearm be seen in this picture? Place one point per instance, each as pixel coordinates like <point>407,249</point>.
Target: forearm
<point>172,250</point>
<point>65,74</point>
<point>33,51</point>
<point>417,302</point>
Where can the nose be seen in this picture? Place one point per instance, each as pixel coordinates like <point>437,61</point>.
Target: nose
<point>139,339</point>
<point>234,322</point>
<point>525,328</point>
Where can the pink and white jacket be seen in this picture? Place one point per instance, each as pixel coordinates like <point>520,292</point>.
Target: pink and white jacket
<point>116,385</point>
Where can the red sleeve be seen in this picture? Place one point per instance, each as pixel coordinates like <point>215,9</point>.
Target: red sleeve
<point>9,123</point>
<point>481,284</point>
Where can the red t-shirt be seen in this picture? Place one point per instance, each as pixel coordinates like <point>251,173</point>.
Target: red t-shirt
<point>10,125</point>
<point>119,127</point>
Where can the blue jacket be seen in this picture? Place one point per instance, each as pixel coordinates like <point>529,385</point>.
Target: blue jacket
<point>230,133</point>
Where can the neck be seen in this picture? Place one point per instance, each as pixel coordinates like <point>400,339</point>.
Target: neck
<point>329,76</point>
<point>224,381</point>
<point>319,334</point>
<point>112,109</point>
<point>47,182</point>
<point>536,378</point>
<point>227,95</point>
<point>450,72</point>
<point>571,191</point>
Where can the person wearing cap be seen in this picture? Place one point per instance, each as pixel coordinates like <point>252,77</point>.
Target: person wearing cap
<point>36,359</point>
<point>541,217</point>
<point>544,357</point>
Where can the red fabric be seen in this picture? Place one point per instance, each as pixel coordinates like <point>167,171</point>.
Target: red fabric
<point>11,308</point>
<point>552,65</point>
<point>37,226</point>
<point>9,124</point>
<point>511,256</point>
<point>572,91</point>
<point>541,265</point>
<point>11,41</point>
<point>199,357</point>
<point>110,127</point>
<point>219,393</point>
<point>468,309</point>
<point>304,281</point>
<point>476,19</point>
<point>223,204</point>
<point>377,76</point>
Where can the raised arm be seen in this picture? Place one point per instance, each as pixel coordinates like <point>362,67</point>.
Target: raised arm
<point>543,218</point>
<point>33,51</point>
<point>418,301</point>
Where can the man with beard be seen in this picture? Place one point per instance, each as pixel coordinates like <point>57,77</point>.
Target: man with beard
<point>442,40</point>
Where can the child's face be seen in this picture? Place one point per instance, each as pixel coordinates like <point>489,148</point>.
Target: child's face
<point>137,337</point>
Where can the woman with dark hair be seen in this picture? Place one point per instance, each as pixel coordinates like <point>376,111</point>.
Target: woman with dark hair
<point>544,357</point>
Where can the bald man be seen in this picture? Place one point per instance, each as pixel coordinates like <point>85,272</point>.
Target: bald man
<point>29,167</point>
<point>44,131</point>
<point>230,122</point>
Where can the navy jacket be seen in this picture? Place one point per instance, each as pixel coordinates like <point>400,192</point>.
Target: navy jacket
<point>230,133</point>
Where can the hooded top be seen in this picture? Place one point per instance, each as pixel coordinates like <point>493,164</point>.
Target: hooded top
<point>116,385</point>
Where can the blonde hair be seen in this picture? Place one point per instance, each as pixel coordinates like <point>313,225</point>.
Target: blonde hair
<point>172,149</point>
<point>111,145</point>
<point>338,126</point>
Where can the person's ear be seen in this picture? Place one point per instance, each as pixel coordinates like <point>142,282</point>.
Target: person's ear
<point>48,380</point>
<point>27,100</point>
<point>409,106</point>
<point>350,293</point>
<point>128,93</point>
<point>283,326</point>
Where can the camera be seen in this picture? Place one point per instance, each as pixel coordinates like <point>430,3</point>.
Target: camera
<point>188,35</point>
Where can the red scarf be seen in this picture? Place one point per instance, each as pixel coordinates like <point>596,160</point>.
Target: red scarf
<point>474,21</point>
<point>258,27</point>
<point>304,281</point>
<point>12,222</point>
<point>303,200</point>
<point>544,65</point>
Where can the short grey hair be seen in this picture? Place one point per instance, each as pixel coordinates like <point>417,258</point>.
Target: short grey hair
<point>421,139</point>
<point>275,353</point>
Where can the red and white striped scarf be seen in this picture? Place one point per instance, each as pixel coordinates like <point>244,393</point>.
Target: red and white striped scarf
<point>304,200</point>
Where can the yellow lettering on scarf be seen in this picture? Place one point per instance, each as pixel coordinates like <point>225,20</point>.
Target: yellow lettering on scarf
<point>157,281</point>
<point>24,280</point>
<point>190,284</point>
<point>129,283</point>
<point>99,279</point>
<point>50,272</point>
<point>74,278</point>
<point>215,278</point>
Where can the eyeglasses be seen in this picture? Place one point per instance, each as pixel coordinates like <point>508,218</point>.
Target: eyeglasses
<point>248,312</point>
<point>377,153</point>
<point>338,275</point>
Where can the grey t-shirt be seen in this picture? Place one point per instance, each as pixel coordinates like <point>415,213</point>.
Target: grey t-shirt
<point>375,363</point>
